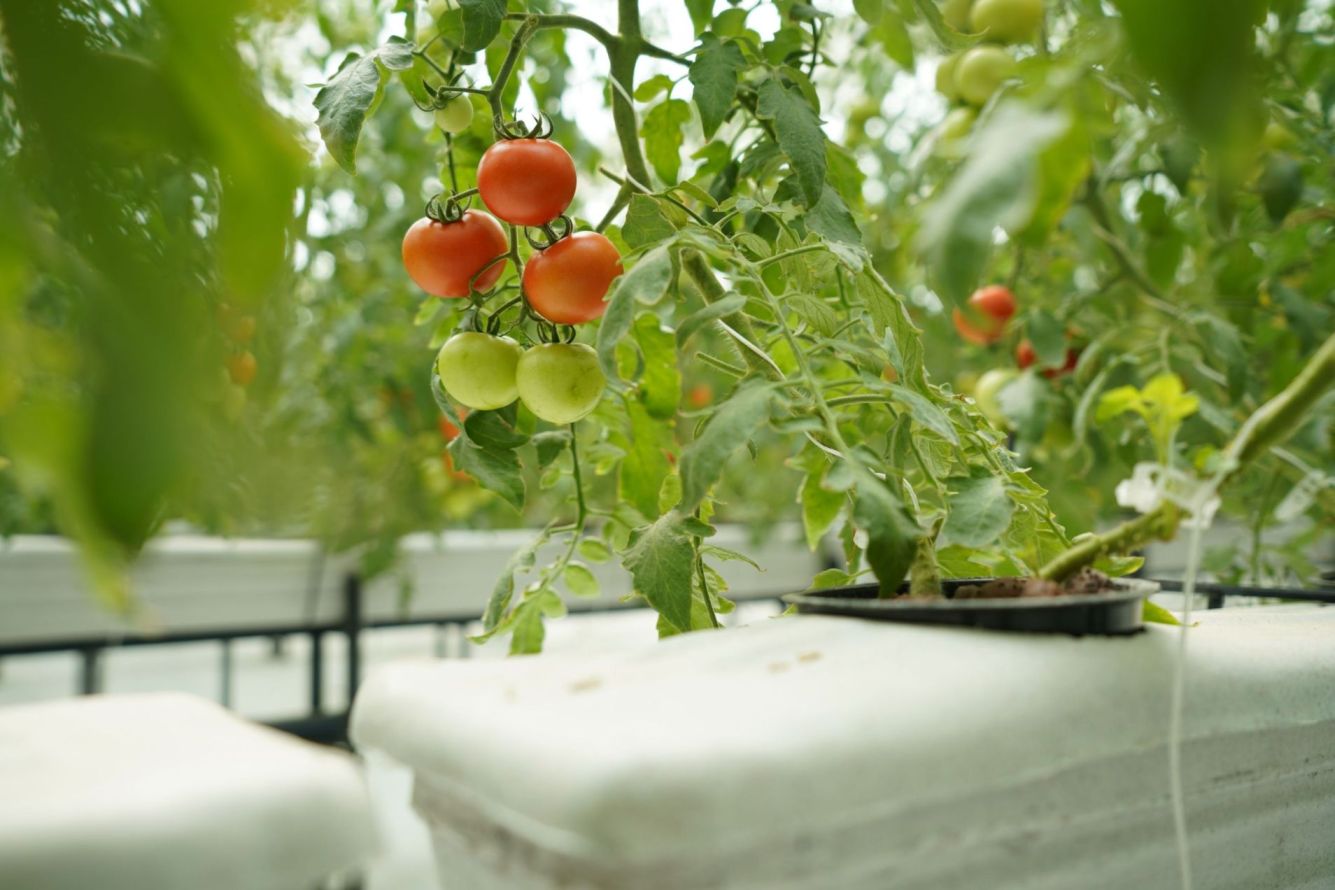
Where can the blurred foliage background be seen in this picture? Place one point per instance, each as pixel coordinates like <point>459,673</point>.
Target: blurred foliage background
<point>166,211</point>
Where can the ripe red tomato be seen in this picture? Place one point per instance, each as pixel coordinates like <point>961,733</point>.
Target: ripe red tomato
<point>1072,359</point>
<point>700,396</point>
<point>1025,355</point>
<point>995,301</point>
<point>448,431</point>
<point>443,257</point>
<point>566,282</point>
<point>982,336</point>
<point>241,367</point>
<point>526,182</point>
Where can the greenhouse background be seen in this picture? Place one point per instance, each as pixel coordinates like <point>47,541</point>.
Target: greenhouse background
<point>929,483</point>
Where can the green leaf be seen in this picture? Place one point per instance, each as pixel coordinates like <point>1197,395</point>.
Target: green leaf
<point>660,562</point>
<point>832,578</point>
<point>663,137</point>
<point>870,11</point>
<point>892,536</point>
<point>925,413</point>
<point>396,54</point>
<point>550,444</point>
<point>1024,402</point>
<point>1048,338</point>
<point>646,222</point>
<point>710,312</point>
<point>1156,614</point>
<point>646,282</point>
<point>594,550</point>
<point>980,510</point>
<point>820,506</point>
<point>993,188</point>
<point>832,220</point>
<point>491,431</point>
<point>701,12</point>
<point>713,76</point>
<point>660,386</point>
<point>645,465</point>
<point>649,278</point>
<point>343,104</point>
<point>799,133</point>
<point>580,580</point>
<point>733,424</point>
<point>651,88</point>
<point>521,561</point>
<point>482,22</point>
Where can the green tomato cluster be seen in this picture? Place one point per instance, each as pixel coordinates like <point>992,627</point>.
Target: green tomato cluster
<point>559,382</point>
<point>972,76</point>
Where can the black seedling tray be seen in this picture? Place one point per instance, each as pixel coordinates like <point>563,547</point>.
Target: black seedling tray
<point>1113,612</point>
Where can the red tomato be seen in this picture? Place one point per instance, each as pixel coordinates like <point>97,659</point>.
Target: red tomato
<point>1025,355</point>
<point>701,395</point>
<point>443,257</point>
<point>448,431</point>
<point>983,336</point>
<point>527,182</point>
<point>995,301</point>
<point>241,368</point>
<point>566,282</point>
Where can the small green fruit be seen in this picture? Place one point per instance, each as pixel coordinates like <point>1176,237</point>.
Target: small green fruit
<point>1007,21</point>
<point>455,115</point>
<point>478,370</point>
<point>560,382</point>
<point>981,70</point>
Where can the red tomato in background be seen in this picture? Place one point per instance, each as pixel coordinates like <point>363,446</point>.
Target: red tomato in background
<point>448,431</point>
<point>526,182</point>
<point>1025,355</point>
<point>993,306</point>
<point>566,282</point>
<point>995,301</point>
<point>442,258</point>
<point>1072,359</point>
<point>241,367</point>
<point>984,335</point>
<point>700,396</point>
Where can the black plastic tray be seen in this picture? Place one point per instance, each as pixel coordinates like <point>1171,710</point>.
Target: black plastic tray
<point>1112,613</point>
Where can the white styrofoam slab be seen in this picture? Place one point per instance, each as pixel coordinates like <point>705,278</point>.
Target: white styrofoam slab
<point>818,752</point>
<point>166,791</point>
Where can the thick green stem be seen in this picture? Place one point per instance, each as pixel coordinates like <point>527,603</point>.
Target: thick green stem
<point>708,284</point>
<point>508,66</point>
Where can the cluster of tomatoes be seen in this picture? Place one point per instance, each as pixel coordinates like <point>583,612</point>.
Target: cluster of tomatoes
<point>527,182</point>
<point>239,328</point>
<point>971,76</point>
<point>985,323</point>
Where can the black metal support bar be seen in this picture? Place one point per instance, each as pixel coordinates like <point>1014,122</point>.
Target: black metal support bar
<point>90,670</point>
<point>317,673</point>
<point>352,628</point>
<point>1222,591</point>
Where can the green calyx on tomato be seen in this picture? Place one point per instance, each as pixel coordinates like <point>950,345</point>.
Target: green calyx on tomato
<point>560,382</point>
<point>478,370</point>
<point>981,71</point>
<point>455,115</point>
<point>444,258</point>
<point>526,182</point>
<point>1007,21</point>
<point>566,283</point>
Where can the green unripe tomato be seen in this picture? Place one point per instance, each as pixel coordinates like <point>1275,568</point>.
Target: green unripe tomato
<point>560,382</point>
<point>455,115</point>
<point>985,392</point>
<point>957,124</point>
<point>956,13</point>
<point>945,76</point>
<point>1007,21</point>
<point>478,370</point>
<point>980,71</point>
<point>1277,137</point>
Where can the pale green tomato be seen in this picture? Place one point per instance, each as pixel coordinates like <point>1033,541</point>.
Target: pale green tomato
<point>560,382</point>
<point>478,370</point>
<point>985,393</point>
<point>456,115</point>
<point>958,123</point>
<point>956,14</point>
<point>1007,21</point>
<point>945,76</point>
<point>437,8</point>
<point>981,70</point>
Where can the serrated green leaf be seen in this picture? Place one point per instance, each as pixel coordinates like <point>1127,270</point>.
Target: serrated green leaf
<point>713,76</point>
<point>709,313</point>
<point>660,385</point>
<point>653,87</point>
<point>343,104</point>
<point>733,424</point>
<point>482,22</point>
<point>1157,614</point>
<point>892,536</point>
<point>396,54</point>
<point>701,12</point>
<point>728,555</point>
<point>660,562</point>
<point>828,578</point>
<point>663,137</point>
<point>925,412</point>
<point>493,431</point>
<point>645,465</point>
<point>522,560</point>
<point>799,132</point>
<point>646,222</point>
<point>580,580</point>
<point>832,220</point>
<point>980,511</point>
<point>550,444</point>
<point>820,506</point>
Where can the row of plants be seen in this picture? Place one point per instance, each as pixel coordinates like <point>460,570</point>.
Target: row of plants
<point>757,267</point>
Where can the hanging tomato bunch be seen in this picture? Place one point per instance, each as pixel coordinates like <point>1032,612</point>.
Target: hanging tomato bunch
<point>524,348</point>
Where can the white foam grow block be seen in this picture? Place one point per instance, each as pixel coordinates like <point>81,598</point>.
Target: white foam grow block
<point>813,752</point>
<point>167,792</point>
